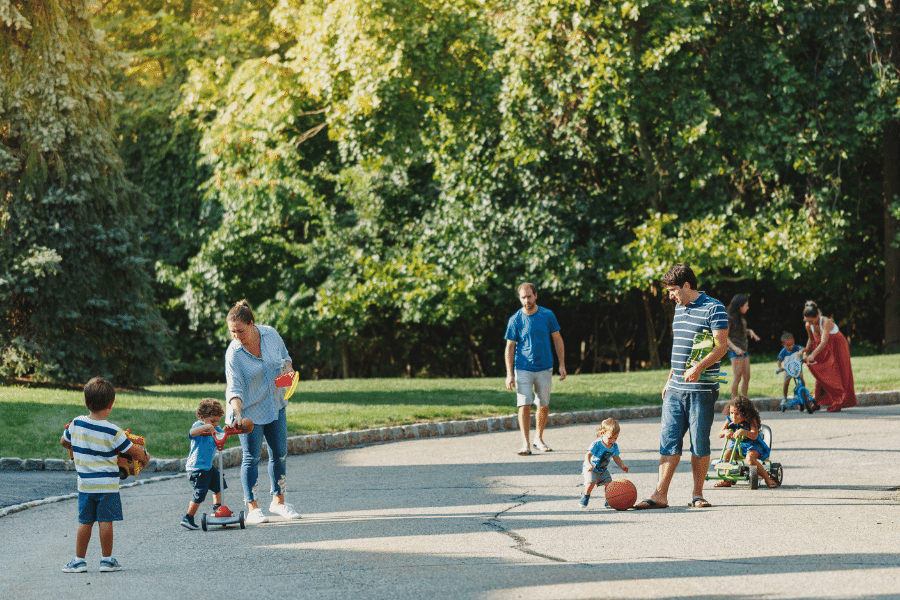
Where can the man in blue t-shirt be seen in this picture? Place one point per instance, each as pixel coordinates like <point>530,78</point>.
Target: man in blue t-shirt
<point>699,340</point>
<point>530,333</point>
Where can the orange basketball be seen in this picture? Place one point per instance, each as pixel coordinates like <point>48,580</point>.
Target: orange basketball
<point>621,494</point>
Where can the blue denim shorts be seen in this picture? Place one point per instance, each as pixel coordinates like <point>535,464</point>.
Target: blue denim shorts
<point>684,412</point>
<point>203,482</point>
<point>732,355</point>
<point>93,507</point>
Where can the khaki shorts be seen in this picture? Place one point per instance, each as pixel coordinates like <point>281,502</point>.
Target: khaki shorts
<point>533,387</point>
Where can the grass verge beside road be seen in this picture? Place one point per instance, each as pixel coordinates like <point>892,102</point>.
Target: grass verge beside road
<point>33,418</point>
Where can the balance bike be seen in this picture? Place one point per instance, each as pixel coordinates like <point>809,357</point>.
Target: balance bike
<point>793,364</point>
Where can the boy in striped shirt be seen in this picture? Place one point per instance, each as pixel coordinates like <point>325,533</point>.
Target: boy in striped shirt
<point>95,444</point>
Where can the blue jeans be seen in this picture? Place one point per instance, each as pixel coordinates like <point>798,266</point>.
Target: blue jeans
<point>687,411</point>
<point>275,434</point>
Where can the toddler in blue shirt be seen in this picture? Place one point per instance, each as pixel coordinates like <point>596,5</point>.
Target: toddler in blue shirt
<point>597,459</point>
<point>204,476</point>
<point>789,347</point>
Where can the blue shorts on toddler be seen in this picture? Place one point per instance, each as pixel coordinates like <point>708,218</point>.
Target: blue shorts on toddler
<point>204,481</point>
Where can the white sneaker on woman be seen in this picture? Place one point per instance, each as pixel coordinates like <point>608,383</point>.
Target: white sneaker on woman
<point>286,510</point>
<point>256,517</point>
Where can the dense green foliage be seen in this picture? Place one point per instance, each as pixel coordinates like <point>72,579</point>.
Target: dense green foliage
<point>376,177</point>
<point>75,282</point>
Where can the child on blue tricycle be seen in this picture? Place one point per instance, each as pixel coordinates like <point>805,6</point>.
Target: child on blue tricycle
<point>790,362</point>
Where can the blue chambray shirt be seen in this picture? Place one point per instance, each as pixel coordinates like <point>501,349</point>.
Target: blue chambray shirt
<point>253,379</point>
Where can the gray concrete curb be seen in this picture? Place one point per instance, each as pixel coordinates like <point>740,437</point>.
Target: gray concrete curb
<point>306,444</point>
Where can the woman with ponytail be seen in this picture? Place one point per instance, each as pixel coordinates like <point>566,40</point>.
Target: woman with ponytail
<point>828,358</point>
<point>739,336</point>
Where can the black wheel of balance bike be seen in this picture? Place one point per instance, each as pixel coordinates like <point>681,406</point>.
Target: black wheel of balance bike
<point>807,401</point>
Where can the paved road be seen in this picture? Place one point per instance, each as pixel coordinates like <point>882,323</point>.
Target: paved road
<point>17,487</point>
<point>464,517</point>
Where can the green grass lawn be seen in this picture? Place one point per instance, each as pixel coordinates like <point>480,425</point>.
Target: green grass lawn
<point>33,418</point>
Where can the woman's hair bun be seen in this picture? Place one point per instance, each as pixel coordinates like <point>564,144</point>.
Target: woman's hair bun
<point>810,309</point>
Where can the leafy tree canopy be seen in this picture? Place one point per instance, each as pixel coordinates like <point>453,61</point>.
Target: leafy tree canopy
<point>75,283</point>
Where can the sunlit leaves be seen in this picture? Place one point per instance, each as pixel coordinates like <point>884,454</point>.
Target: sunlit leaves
<point>774,243</point>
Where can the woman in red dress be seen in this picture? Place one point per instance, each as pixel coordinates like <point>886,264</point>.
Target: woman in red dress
<point>828,358</point>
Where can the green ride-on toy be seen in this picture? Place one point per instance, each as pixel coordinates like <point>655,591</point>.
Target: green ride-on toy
<point>732,467</point>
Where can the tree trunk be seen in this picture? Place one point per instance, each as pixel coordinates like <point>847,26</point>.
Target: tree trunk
<point>475,367</point>
<point>345,358</point>
<point>652,340</point>
<point>891,190</point>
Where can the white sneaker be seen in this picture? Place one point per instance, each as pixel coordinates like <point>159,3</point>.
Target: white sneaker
<point>286,510</point>
<point>76,565</point>
<point>256,517</point>
<point>108,565</point>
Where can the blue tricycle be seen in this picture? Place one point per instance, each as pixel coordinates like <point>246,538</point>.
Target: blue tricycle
<point>793,364</point>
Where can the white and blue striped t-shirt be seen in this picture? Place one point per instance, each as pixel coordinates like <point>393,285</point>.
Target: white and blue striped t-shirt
<point>95,449</point>
<point>703,314</point>
<point>252,379</point>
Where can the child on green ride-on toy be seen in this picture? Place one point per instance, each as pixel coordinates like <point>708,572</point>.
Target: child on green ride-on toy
<point>742,423</point>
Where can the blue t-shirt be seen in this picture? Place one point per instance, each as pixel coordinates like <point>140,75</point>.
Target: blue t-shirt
<point>704,314</point>
<point>531,333</point>
<point>203,449</point>
<point>601,455</point>
<point>785,352</point>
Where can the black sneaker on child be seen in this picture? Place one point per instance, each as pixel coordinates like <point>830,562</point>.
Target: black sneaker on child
<point>188,522</point>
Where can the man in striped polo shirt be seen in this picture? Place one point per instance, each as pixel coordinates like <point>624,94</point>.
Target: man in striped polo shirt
<point>690,394</point>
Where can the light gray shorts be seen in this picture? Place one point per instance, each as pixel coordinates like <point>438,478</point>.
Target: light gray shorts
<point>533,387</point>
<point>595,476</point>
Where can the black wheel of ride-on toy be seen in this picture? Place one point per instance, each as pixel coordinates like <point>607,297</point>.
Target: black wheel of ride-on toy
<point>203,521</point>
<point>807,402</point>
<point>776,472</point>
<point>754,478</point>
<point>242,521</point>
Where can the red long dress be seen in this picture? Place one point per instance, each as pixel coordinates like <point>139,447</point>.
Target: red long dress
<point>832,370</point>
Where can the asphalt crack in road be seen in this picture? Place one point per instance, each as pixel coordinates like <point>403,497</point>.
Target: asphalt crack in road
<point>521,544</point>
